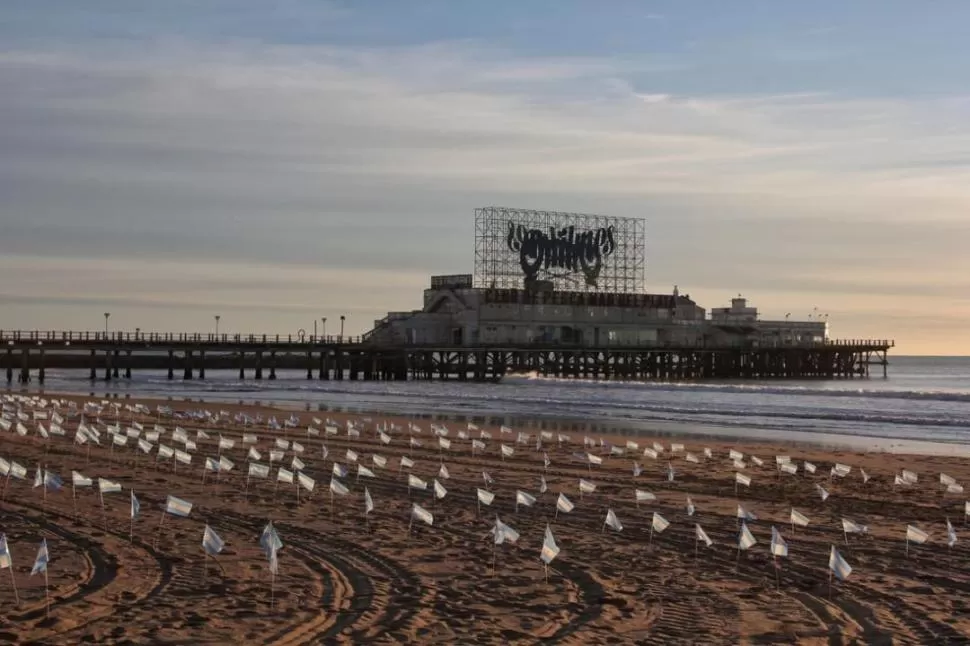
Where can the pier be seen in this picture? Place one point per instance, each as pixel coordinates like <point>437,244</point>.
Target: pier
<point>25,357</point>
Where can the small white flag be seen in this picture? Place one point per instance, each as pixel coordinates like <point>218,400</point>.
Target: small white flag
<point>822,493</point>
<point>439,490</point>
<point>211,542</point>
<point>644,496</point>
<point>585,486</point>
<point>744,514</point>
<point>850,527</point>
<point>524,499</point>
<point>108,486</point>
<point>808,467</point>
<point>563,504</point>
<point>659,523</point>
<point>422,514</point>
<point>485,497</point>
<point>778,545</point>
<point>951,534</point>
<point>338,487</point>
<point>80,481</point>
<point>305,481</point>
<point>284,476</point>
<point>916,535</point>
<point>838,566</point>
<point>741,479</point>
<point>612,521</point>
<point>414,482</point>
<point>178,507</point>
<point>690,507</point>
<point>368,502</point>
<point>364,471</point>
<point>746,539</point>
<point>798,518</point>
<point>549,548</point>
<point>701,535</point>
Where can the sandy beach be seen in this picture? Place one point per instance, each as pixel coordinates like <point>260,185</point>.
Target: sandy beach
<point>347,578</point>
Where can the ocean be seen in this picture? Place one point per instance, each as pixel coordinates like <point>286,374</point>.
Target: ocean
<point>925,399</point>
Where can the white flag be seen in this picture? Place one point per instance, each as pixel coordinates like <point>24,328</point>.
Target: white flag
<point>744,514</point>
<point>757,461</point>
<point>746,539</point>
<point>422,514</point>
<point>211,542</point>
<point>549,548</point>
<point>351,455</point>
<point>951,534</point>
<point>524,499</point>
<point>257,470</point>
<point>485,497</point>
<point>542,484</point>
<point>80,480</point>
<point>503,533</point>
<point>507,451</point>
<point>563,504</point>
<point>690,506</point>
<point>701,535</point>
<point>443,472</point>
<point>735,455</point>
<point>414,482</point>
<point>822,493</point>
<point>650,453</point>
<point>789,467</point>
<point>808,467</point>
<point>916,535</point>
<point>364,471</point>
<point>211,464</point>
<point>850,527</point>
<point>406,462</point>
<point>659,523</point>
<point>379,461</point>
<point>439,490</point>
<point>282,475</point>
<point>338,487</point>
<point>297,464</point>
<point>305,481</point>
<point>225,444</point>
<point>798,518</point>
<point>368,502</point>
<point>840,470</point>
<point>177,506</point>
<point>108,486</point>
<point>741,479</point>
<point>225,464</point>
<point>585,486</point>
<point>296,447</point>
<point>644,496</point>
<point>838,566</point>
<point>778,545</point>
<point>612,521</point>
<point>444,443</point>
<point>339,470</point>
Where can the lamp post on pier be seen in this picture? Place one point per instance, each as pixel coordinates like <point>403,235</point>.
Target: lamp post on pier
<point>342,319</point>
<point>323,330</point>
<point>106,316</point>
<point>217,317</point>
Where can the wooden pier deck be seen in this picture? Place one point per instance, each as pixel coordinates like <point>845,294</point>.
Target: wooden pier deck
<point>26,354</point>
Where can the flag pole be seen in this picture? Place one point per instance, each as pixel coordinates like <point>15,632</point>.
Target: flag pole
<point>131,527</point>
<point>13,582</point>
<point>158,531</point>
<point>104,513</point>
<point>47,592</point>
<point>74,497</point>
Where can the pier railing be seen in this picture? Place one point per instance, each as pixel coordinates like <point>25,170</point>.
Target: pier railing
<point>58,338</point>
<point>63,337</point>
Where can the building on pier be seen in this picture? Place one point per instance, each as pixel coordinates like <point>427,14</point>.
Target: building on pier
<point>539,280</point>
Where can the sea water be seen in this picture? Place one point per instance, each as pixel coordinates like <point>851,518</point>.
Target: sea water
<point>924,398</point>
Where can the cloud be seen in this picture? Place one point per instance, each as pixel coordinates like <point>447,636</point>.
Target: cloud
<point>350,169</point>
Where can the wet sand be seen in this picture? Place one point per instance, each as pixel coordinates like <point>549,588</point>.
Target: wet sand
<point>344,579</point>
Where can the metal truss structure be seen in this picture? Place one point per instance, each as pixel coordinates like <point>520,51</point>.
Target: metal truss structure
<point>516,248</point>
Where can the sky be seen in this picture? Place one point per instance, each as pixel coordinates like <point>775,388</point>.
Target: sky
<point>276,163</point>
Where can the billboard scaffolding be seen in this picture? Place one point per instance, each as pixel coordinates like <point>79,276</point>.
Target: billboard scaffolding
<point>516,248</point>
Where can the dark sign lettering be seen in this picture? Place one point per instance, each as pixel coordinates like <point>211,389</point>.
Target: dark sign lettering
<point>561,252</point>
